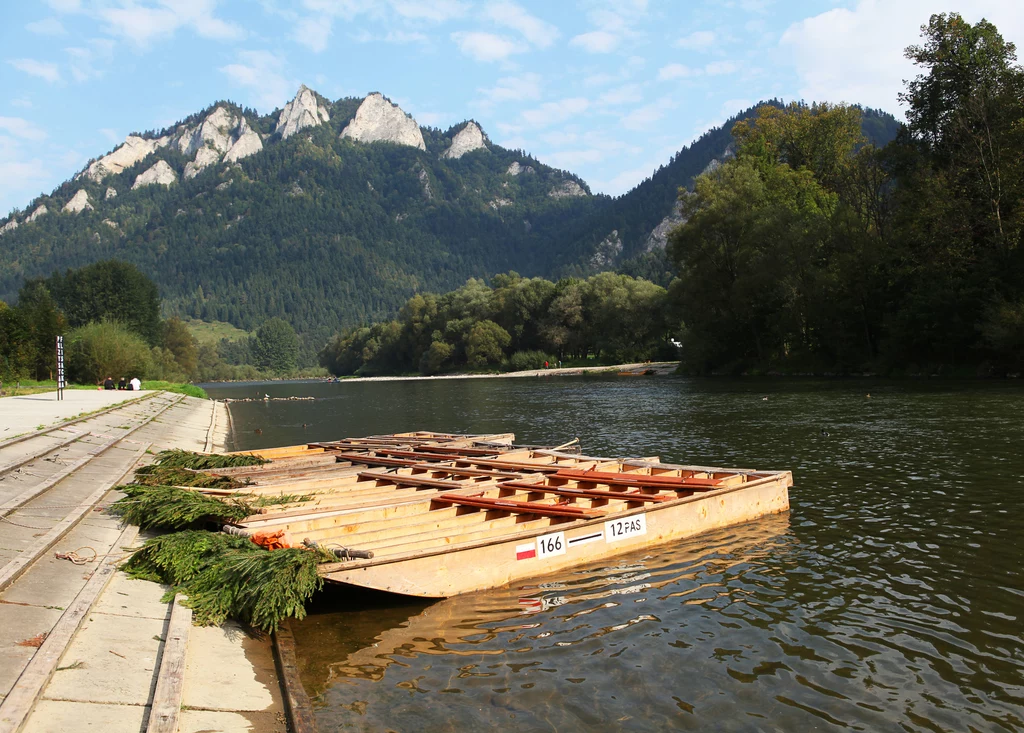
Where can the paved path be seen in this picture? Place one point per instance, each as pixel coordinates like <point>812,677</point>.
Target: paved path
<point>25,413</point>
<point>85,647</point>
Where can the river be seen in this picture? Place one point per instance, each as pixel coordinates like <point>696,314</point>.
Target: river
<point>890,597</point>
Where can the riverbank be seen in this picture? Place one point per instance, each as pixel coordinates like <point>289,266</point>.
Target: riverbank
<point>633,369</point>
<point>86,647</point>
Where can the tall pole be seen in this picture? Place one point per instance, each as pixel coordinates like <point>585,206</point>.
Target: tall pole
<point>60,367</point>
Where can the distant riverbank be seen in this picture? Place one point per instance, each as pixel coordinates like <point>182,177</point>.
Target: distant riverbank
<point>660,368</point>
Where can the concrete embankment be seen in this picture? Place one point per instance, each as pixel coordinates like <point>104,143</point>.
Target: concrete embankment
<point>84,646</point>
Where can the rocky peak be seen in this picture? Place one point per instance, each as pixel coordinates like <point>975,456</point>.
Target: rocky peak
<point>378,120</point>
<point>40,210</point>
<point>469,138</point>
<point>303,111</point>
<point>9,227</point>
<point>247,143</point>
<point>213,132</point>
<point>78,203</point>
<point>566,190</point>
<point>131,152</point>
<point>515,169</point>
<point>160,173</point>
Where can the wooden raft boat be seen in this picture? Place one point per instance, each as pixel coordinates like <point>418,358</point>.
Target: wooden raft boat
<point>437,515</point>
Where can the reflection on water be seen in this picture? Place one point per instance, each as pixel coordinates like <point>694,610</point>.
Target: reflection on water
<point>890,597</point>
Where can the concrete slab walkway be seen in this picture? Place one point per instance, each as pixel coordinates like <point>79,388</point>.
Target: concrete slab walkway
<point>26,413</point>
<point>106,675</point>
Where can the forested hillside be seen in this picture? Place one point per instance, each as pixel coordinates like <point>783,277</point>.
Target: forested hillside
<point>315,215</point>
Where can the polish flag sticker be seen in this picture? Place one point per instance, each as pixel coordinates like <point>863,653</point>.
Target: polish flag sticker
<point>525,552</point>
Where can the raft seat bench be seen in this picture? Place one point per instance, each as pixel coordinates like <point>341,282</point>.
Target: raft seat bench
<point>586,493</point>
<point>520,507</point>
<point>400,480</point>
<point>640,479</point>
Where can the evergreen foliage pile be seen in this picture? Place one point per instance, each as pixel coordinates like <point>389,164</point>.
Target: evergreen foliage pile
<point>159,475</point>
<point>171,507</point>
<point>201,461</point>
<point>225,576</point>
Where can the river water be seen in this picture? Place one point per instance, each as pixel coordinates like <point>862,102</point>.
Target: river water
<point>890,597</point>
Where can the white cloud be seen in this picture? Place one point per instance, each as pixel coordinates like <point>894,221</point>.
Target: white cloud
<point>625,94</point>
<point>676,71</point>
<point>596,41</point>
<point>399,37</point>
<point>437,11</point>
<point>259,71</point>
<point>720,68</point>
<point>22,128</point>
<point>312,32</point>
<point>43,69</point>
<point>65,6</point>
<point>697,41</point>
<point>485,46</point>
<point>538,32</point>
<point>85,58</point>
<point>21,102</point>
<point>521,88</point>
<point>644,117</point>
<point>553,113</point>
<point>144,24</point>
<point>856,55</point>
<point>46,27</point>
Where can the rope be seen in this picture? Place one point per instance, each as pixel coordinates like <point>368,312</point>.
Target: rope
<point>77,559</point>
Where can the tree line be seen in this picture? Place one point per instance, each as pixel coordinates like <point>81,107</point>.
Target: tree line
<point>814,251</point>
<point>109,314</point>
<point>512,323</point>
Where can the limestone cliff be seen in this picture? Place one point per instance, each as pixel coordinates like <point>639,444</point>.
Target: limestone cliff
<point>468,139</point>
<point>110,194</point>
<point>9,227</point>
<point>567,189</point>
<point>247,143</point>
<point>378,120</point>
<point>302,112</point>
<point>131,152</point>
<point>40,210</point>
<point>160,173</point>
<point>204,157</point>
<point>213,132</point>
<point>515,169</point>
<point>658,237</point>
<point>78,203</point>
<point>607,251</point>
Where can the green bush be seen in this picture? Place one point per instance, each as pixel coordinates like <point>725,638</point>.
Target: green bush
<point>106,349</point>
<point>523,360</point>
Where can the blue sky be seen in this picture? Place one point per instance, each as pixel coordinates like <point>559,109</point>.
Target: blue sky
<point>608,90</point>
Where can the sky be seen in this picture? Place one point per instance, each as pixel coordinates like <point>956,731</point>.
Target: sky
<point>608,89</point>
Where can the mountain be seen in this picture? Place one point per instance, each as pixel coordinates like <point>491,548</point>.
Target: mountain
<point>334,213</point>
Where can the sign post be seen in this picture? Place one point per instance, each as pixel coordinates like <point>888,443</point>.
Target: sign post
<point>60,368</point>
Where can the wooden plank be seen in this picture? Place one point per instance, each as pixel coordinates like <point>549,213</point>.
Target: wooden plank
<point>640,479</point>
<point>297,704</point>
<point>405,480</point>
<point>589,493</point>
<point>170,681</point>
<point>10,572</point>
<point>16,707</point>
<point>522,507</point>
